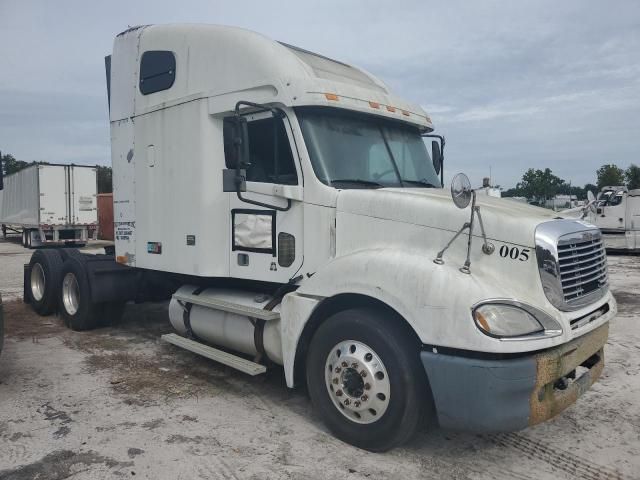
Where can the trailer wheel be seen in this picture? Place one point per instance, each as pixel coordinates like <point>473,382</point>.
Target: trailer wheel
<point>28,240</point>
<point>365,379</point>
<point>76,308</point>
<point>24,237</point>
<point>43,281</point>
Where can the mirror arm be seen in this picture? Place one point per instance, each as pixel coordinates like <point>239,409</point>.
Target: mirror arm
<point>277,113</point>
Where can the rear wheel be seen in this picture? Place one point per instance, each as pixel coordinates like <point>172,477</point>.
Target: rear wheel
<point>365,379</point>
<point>43,284</point>
<point>76,307</point>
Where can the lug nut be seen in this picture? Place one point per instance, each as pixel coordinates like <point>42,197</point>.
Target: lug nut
<point>356,403</point>
<point>364,398</point>
<point>338,369</point>
<point>339,393</point>
<point>345,364</point>
<point>354,365</point>
<point>335,381</point>
<point>363,374</point>
<point>367,386</point>
<point>346,401</point>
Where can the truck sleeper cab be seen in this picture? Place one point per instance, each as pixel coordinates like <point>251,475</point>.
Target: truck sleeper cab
<point>288,205</point>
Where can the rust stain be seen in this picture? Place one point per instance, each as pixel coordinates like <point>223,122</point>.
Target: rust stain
<point>545,401</point>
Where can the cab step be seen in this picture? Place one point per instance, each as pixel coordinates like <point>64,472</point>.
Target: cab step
<point>228,359</point>
<point>226,306</point>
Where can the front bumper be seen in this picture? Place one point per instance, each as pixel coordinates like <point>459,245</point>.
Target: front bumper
<point>481,395</point>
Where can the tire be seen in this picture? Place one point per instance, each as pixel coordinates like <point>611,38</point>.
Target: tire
<point>24,238</point>
<point>387,404</point>
<point>74,298</point>
<point>43,283</point>
<point>28,240</point>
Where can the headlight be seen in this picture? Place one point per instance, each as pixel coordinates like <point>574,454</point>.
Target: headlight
<point>500,320</point>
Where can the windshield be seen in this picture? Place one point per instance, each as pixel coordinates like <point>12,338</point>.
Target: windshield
<point>348,150</point>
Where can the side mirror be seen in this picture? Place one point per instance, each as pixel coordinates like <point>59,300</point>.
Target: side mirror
<point>236,153</point>
<point>436,155</point>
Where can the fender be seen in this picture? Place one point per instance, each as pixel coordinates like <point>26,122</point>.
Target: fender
<point>434,299</point>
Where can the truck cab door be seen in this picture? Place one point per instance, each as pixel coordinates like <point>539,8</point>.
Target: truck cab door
<point>611,214</point>
<point>266,244</point>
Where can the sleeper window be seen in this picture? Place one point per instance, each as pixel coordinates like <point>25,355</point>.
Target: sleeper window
<point>265,167</point>
<point>157,71</point>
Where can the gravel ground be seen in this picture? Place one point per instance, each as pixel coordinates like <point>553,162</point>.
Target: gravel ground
<point>115,402</point>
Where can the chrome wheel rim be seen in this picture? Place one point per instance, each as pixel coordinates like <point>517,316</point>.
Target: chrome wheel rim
<point>357,382</point>
<point>70,293</point>
<point>38,282</point>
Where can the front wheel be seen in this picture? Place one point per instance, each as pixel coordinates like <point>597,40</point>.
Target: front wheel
<point>365,379</point>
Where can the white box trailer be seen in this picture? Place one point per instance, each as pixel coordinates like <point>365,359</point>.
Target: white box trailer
<point>289,206</point>
<point>50,204</point>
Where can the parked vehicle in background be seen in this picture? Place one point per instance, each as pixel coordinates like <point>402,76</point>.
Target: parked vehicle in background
<point>617,214</point>
<point>288,205</point>
<point>50,204</point>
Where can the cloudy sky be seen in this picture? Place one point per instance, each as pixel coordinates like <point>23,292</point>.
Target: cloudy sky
<point>512,85</point>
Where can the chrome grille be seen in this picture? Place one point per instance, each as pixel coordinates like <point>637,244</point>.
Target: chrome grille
<point>583,266</point>
<point>572,263</point>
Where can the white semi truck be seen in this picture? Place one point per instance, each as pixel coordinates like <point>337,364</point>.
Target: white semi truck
<point>617,213</point>
<point>50,204</point>
<point>288,205</point>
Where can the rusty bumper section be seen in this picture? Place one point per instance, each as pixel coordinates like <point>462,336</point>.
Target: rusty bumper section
<point>499,395</point>
<point>564,373</point>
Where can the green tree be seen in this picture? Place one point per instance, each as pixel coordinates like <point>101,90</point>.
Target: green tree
<point>610,175</point>
<point>540,185</point>
<point>105,183</point>
<point>11,165</point>
<point>632,175</point>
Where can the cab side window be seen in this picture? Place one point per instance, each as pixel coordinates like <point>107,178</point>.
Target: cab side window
<point>269,152</point>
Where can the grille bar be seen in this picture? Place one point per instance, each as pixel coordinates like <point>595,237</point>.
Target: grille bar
<point>578,246</point>
<point>599,264</point>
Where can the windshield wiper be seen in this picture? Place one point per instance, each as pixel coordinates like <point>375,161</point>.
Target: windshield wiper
<point>422,182</point>
<point>357,181</point>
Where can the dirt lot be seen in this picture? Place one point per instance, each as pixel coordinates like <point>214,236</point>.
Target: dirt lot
<point>116,402</point>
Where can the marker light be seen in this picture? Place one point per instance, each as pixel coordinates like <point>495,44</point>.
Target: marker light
<point>391,109</point>
<point>374,104</point>
<point>331,96</point>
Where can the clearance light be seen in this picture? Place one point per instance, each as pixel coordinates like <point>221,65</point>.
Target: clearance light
<point>405,113</point>
<point>391,109</point>
<point>121,259</point>
<point>374,104</point>
<point>331,96</point>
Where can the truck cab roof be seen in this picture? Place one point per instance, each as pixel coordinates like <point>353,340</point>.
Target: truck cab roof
<point>224,63</point>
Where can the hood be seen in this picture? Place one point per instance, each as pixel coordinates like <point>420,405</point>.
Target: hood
<point>504,219</point>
